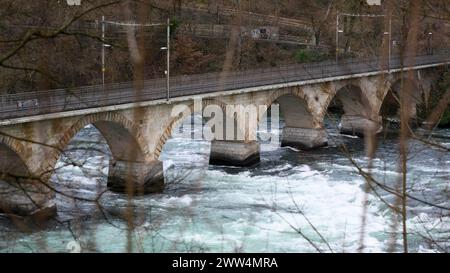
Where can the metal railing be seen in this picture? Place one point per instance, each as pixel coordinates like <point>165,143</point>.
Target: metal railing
<point>60,100</point>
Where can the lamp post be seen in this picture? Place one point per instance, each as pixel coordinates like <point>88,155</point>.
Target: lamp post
<point>167,48</point>
<point>361,15</point>
<point>390,44</point>
<point>389,33</point>
<point>103,50</point>
<point>430,49</point>
<point>133,24</point>
<point>337,36</point>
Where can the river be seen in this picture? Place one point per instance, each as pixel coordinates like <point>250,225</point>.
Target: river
<point>293,201</point>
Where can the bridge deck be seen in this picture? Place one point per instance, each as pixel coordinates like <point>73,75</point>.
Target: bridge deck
<point>62,100</point>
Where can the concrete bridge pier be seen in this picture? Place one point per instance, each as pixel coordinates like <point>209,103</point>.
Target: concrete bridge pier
<point>303,138</point>
<point>234,153</point>
<point>359,126</point>
<point>26,198</point>
<point>23,192</point>
<point>137,178</point>
<point>235,144</point>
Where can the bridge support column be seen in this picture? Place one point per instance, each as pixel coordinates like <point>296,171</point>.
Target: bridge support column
<point>359,126</point>
<point>26,198</point>
<point>303,138</point>
<point>234,153</point>
<point>136,178</point>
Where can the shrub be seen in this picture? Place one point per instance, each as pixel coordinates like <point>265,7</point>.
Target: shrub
<point>306,55</point>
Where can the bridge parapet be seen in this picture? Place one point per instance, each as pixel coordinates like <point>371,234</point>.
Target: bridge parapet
<point>122,95</point>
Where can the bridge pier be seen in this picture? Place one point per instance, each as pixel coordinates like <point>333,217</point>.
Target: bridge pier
<point>303,138</point>
<point>234,153</point>
<point>25,197</point>
<point>136,178</point>
<point>359,126</point>
<point>23,192</point>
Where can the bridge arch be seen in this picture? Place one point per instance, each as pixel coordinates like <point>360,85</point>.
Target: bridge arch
<point>349,108</point>
<point>294,106</point>
<point>351,99</point>
<point>175,122</point>
<point>122,136</point>
<point>11,161</point>
<point>302,128</point>
<point>21,191</point>
<point>390,101</point>
<point>13,145</point>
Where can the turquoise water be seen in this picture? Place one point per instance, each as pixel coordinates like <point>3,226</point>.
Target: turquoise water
<point>269,208</point>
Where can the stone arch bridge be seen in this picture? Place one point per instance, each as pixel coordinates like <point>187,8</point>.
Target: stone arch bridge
<point>35,127</point>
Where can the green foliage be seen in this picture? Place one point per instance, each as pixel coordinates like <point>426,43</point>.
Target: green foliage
<point>444,85</point>
<point>305,56</point>
<point>444,82</point>
<point>355,6</point>
<point>445,121</point>
<point>174,24</point>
